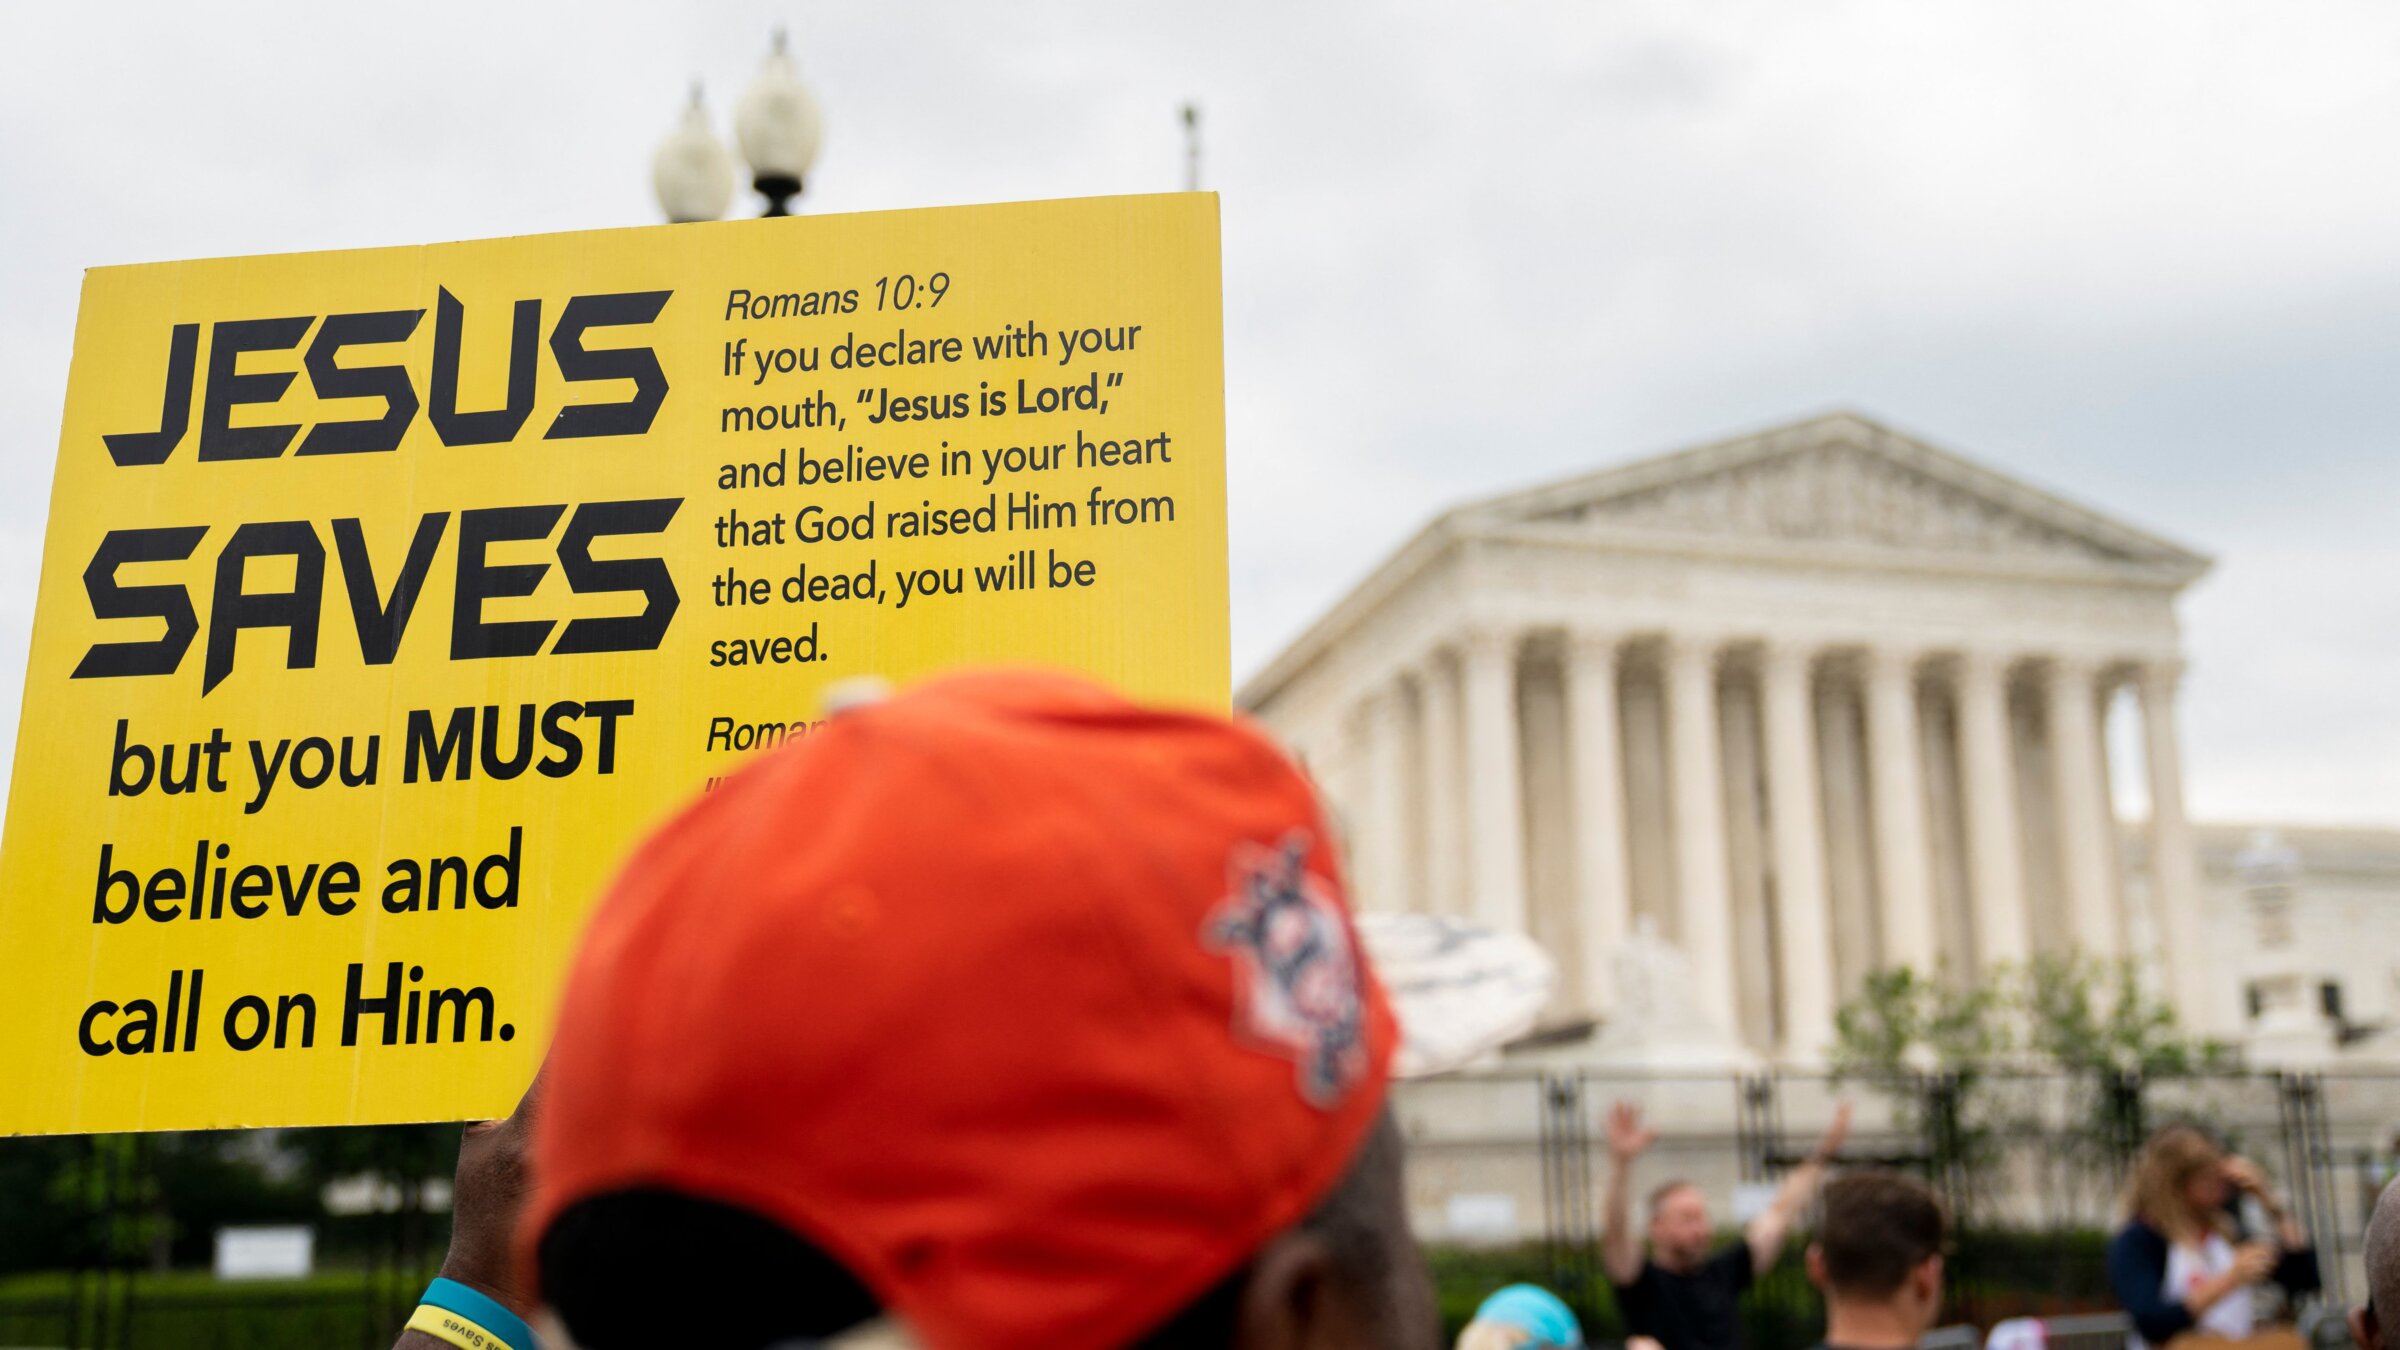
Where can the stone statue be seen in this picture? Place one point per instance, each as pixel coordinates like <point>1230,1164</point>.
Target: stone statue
<point>1656,1023</point>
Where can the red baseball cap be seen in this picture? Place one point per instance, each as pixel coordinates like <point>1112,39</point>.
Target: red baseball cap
<point>1037,1009</point>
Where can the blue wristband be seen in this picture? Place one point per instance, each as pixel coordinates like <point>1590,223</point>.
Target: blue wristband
<point>477,1306</point>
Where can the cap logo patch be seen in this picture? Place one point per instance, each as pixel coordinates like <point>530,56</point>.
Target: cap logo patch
<point>1295,968</point>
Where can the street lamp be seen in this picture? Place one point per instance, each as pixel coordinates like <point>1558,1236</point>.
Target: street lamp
<point>779,128</point>
<point>777,125</point>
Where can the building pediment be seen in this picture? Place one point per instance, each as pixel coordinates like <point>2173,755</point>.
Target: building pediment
<point>1839,481</point>
<point>1838,491</point>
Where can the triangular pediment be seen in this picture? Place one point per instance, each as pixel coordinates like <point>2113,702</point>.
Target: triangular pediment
<point>1839,481</point>
<point>1836,491</point>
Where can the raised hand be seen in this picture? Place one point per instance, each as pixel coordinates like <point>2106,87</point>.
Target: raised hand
<point>2243,1175</point>
<point>1627,1139</point>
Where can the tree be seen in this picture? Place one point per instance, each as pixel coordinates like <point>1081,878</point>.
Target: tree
<point>2089,1016</point>
<point>157,1200</point>
<point>1903,1024</point>
<point>1929,1044</point>
<point>1947,1052</point>
<point>39,1218</point>
<point>2111,1039</point>
<point>403,1157</point>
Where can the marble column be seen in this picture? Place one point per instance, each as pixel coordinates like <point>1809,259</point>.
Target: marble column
<point>1445,888</point>
<point>1383,851</point>
<point>1346,787</point>
<point>1803,922</point>
<point>2174,879</point>
<point>1701,881</point>
<point>1495,811</point>
<point>1849,831</point>
<point>1994,851</point>
<point>1602,890</point>
<point>2084,816</point>
<point>1903,867</point>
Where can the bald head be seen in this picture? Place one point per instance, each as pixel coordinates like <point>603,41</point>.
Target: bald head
<point>2383,1253</point>
<point>2383,1272</point>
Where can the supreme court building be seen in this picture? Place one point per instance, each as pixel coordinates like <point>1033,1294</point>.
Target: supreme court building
<point>1802,704</point>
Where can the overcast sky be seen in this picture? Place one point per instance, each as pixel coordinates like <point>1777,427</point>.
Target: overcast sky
<point>2146,254</point>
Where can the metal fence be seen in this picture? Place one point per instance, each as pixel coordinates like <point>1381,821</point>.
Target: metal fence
<point>2031,1165</point>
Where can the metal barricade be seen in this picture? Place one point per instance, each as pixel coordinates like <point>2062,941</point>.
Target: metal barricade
<point>2088,1331</point>
<point>1950,1338</point>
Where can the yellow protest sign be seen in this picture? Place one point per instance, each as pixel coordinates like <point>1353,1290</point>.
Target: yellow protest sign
<point>389,595</point>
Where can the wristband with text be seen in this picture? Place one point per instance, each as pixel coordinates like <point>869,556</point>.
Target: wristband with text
<point>470,1319</point>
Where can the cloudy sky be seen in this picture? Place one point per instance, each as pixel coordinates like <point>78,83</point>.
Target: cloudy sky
<point>2146,254</point>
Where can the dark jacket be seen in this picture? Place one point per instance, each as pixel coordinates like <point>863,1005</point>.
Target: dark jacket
<point>2137,1271</point>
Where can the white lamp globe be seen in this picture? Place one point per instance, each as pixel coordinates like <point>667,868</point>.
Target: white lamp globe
<point>692,172</point>
<point>779,127</point>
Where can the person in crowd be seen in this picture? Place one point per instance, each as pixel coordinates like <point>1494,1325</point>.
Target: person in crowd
<point>1004,1013</point>
<point>1679,1294</point>
<point>1522,1317</point>
<point>1877,1259</point>
<point>2383,1271</point>
<point>2181,1262</point>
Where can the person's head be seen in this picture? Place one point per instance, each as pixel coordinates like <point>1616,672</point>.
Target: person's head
<point>1004,1008</point>
<point>1878,1250</point>
<point>1522,1317</point>
<point>2383,1271</point>
<point>2179,1185</point>
<point>1679,1230</point>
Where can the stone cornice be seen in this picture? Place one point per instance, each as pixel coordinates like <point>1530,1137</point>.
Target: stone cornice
<point>1832,555</point>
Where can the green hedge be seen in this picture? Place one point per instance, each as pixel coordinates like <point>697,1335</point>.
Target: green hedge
<point>182,1310</point>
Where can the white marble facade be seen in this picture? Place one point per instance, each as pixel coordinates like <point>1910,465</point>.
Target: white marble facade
<point>2314,909</point>
<point>1803,703</point>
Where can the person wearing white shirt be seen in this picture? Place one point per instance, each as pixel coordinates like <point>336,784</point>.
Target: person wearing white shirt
<point>2181,1262</point>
